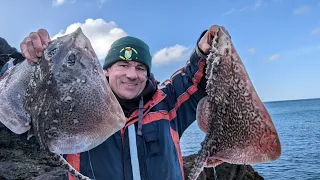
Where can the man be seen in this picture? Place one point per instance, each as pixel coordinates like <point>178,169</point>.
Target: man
<point>148,146</point>
<point>6,53</point>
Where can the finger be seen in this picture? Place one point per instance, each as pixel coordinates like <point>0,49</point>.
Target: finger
<point>213,30</point>
<point>206,48</point>
<point>205,43</point>
<point>225,31</point>
<point>209,38</point>
<point>36,45</point>
<point>44,36</point>
<point>23,47</point>
<point>25,51</point>
<point>31,50</point>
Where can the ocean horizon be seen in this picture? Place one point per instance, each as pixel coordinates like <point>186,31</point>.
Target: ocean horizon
<point>298,126</point>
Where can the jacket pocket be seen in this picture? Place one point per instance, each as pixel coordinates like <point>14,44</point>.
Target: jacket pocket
<point>151,138</point>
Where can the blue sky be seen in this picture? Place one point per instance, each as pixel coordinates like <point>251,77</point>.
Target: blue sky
<point>278,40</point>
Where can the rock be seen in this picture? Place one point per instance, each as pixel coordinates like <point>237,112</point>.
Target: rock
<point>21,159</point>
<point>224,171</point>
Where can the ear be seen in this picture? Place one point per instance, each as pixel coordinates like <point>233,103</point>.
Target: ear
<point>106,72</point>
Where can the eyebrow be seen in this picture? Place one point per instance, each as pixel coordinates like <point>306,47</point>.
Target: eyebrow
<point>139,65</point>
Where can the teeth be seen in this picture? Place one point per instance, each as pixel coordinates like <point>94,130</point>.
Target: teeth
<point>130,84</point>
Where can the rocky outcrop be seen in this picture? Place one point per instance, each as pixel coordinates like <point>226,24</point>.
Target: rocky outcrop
<point>224,171</point>
<point>23,160</point>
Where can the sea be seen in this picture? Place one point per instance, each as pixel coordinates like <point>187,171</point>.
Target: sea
<point>298,125</point>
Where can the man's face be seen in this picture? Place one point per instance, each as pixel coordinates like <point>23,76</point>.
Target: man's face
<point>127,78</point>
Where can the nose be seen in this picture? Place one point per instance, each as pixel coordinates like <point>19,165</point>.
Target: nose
<point>132,73</point>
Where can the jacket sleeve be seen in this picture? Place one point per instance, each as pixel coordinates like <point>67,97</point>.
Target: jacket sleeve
<point>185,89</point>
<point>9,60</point>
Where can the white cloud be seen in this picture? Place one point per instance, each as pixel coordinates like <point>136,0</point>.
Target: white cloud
<point>252,50</point>
<point>61,2</point>
<point>302,51</point>
<point>100,33</point>
<point>257,4</point>
<point>228,12</point>
<point>171,54</point>
<point>273,57</point>
<point>57,2</point>
<point>302,10</point>
<point>296,52</point>
<point>101,2</point>
<point>316,30</point>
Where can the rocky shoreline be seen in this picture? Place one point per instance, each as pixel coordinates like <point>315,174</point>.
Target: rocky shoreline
<point>22,160</point>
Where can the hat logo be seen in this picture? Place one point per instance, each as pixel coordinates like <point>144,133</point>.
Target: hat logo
<point>128,53</point>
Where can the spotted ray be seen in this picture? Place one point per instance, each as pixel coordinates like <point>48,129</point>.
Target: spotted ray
<point>238,128</point>
<point>64,100</point>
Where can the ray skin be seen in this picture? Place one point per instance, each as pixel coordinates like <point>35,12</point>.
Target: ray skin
<point>238,127</point>
<point>64,100</point>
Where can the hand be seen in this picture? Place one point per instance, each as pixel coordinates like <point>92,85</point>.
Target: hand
<point>33,46</point>
<point>206,40</point>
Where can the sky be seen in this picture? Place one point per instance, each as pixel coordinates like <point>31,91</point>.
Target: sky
<point>277,40</point>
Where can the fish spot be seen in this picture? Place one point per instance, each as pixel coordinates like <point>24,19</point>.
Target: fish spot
<point>71,59</point>
<point>71,90</point>
<point>68,98</point>
<point>71,106</point>
<point>52,52</point>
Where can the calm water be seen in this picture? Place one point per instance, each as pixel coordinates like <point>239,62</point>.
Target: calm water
<point>298,125</point>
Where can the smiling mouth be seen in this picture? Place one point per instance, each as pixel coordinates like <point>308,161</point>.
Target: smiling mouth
<point>130,84</point>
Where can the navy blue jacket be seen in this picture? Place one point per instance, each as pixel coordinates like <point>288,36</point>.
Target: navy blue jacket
<point>169,111</point>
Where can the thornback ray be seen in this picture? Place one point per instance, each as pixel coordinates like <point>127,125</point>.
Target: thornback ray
<point>238,127</point>
<point>64,99</point>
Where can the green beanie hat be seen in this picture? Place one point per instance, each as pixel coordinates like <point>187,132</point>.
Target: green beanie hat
<point>129,48</point>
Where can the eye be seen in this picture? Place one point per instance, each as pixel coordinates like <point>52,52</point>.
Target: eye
<point>71,59</point>
<point>141,69</point>
<point>123,65</point>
